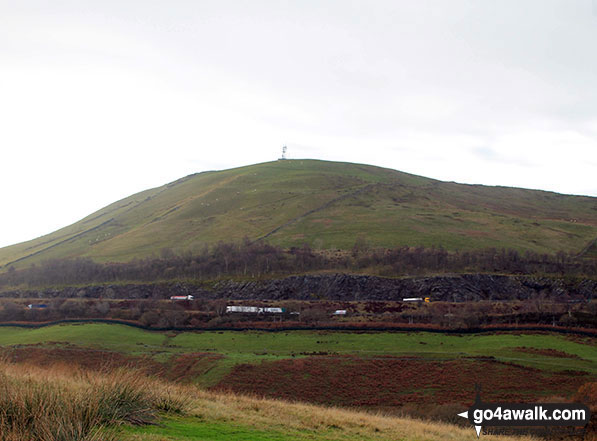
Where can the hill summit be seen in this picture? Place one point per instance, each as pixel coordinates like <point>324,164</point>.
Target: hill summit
<point>328,205</point>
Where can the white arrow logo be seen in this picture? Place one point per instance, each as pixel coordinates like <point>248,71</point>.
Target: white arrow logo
<point>477,428</point>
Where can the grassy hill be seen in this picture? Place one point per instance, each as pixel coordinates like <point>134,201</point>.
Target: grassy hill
<point>324,204</point>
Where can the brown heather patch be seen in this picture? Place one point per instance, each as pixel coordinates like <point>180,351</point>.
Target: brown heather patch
<point>389,381</point>
<point>583,340</point>
<point>546,352</point>
<point>65,404</point>
<point>78,358</point>
<point>180,368</point>
<point>187,367</point>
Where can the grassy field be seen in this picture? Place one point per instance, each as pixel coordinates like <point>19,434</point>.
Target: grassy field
<point>215,359</point>
<point>325,204</point>
<point>257,346</point>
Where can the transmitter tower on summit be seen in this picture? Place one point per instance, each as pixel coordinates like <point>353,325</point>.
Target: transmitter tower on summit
<point>283,157</point>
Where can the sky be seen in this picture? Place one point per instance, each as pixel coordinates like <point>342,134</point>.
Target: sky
<point>102,99</point>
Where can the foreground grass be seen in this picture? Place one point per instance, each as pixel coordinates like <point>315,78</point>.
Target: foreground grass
<point>215,417</point>
<point>63,404</point>
<point>59,404</point>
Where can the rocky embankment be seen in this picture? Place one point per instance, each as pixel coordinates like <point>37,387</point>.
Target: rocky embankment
<point>343,287</point>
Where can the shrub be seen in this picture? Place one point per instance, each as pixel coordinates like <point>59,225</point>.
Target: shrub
<point>587,394</point>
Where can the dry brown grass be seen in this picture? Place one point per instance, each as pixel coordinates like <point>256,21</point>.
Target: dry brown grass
<point>279,415</point>
<point>65,404</point>
<point>60,403</point>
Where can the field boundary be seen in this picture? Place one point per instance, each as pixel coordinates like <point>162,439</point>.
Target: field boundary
<point>350,328</point>
<point>315,210</point>
<point>76,235</point>
<point>586,249</point>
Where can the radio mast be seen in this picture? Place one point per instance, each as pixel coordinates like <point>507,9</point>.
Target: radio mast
<point>283,157</point>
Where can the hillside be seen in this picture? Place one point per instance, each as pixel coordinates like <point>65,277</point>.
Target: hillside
<point>325,204</point>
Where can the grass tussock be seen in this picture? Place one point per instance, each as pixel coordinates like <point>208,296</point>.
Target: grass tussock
<point>62,404</point>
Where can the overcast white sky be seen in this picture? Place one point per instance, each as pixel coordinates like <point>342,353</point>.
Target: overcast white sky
<point>102,99</point>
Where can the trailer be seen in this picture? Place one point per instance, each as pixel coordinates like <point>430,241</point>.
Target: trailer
<point>274,310</point>
<point>37,306</point>
<point>248,309</point>
<point>255,310</point>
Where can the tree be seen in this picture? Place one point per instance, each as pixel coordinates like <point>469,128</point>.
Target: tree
<point>360,245</point>
<point>72,308</point>
<point>103,308</point>
<point>219,307</point>
<point>11,311</point>
<point>313,315</point>
<point>149,318</point>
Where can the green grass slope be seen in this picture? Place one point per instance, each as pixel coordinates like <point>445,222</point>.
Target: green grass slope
<point>256,346</point>
<point>324,204</point>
